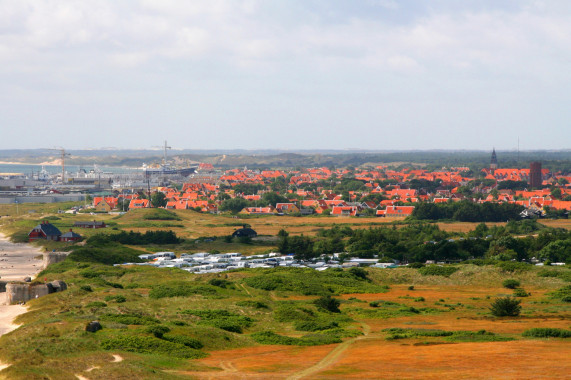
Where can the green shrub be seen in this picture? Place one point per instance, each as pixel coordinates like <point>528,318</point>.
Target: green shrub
<point>505,307</point>
<point>118,298</point>
<point>514,266</point>
<point>88,273</point>
<point>564,294</point>
<point>183,339</point>
<point>130,319</point>
<point>20,237</point>
<point>310,282</point>
<point>547,332</point>
<point>451,336</point>
<point>289,312</point>
<point>328,303</point>
<point>151,345</point>
<point>86,288</point>
<point>157,330</point>
<point>436,270</point>
<point>565,275</point>
<point>220,283</point>
<point>160,214</point>
<point>315,325</point>
<point>180,289</point>
<point>96,304</point>
<point>400,333</point>
<point>510,283</point>
<point>269,337</point>
<point>478,336</point>
<point>110,254</point>
<point>411,287</point>
<point>419,299</point>
<point>359,273</point>
<point>254,304</point>
<point>519,292</point>
<point>374,304</point>
<point>221,319</point>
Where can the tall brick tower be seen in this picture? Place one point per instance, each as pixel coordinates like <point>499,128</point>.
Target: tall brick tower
<point>494,160</point>
<point>535,177</point>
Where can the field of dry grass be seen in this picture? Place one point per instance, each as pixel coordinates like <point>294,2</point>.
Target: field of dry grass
<point>372,356</point>
<point>194,225</point>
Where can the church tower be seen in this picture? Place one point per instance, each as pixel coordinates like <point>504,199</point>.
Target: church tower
<point>494,160</point>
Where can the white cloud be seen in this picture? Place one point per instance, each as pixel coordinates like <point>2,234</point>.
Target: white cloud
<point>293,46</point>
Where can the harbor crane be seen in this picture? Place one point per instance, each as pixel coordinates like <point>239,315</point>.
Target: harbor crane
<point>63,155</point>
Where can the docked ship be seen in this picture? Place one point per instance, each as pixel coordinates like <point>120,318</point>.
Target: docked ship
<point>166,168</point>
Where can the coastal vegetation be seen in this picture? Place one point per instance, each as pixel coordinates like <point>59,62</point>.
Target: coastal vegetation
<point>168,323</point>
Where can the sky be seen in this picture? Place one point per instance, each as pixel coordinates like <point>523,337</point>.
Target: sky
<point>277,74</point>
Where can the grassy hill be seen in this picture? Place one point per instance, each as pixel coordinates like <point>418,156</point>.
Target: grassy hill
<point>163,321</point>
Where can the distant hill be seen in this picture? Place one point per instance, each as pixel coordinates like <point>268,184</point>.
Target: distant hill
<point>554,160</point>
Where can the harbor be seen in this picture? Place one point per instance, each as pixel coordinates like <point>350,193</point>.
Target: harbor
<point>40,183</point>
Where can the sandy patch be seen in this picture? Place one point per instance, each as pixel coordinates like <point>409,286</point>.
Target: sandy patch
<point>7,315</point>
<point>18,261</point>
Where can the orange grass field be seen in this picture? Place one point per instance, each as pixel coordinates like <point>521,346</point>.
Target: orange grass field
<point>371,356</point>
<point>197,224</point>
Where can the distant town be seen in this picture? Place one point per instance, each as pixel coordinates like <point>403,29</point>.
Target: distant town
<point>380,191</point>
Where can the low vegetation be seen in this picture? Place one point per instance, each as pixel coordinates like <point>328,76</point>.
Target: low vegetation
<point>542,332</point>
<point>505,307</point>
<point>163,320</point>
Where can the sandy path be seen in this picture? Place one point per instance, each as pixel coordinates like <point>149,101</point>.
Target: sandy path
<point>331,357</point>
<point>17,261</point>
<point>7,315</point>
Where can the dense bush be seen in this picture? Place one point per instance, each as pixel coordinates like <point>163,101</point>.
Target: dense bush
<point>222,319</point>
<point>310,282</point>
<point>505,307</point>
<point>180,289</point>
<point>269,337</point>
<point>151,345</point>
<point>514,266</point>
<point>290,312</point>
<point>219,282</point>
<point>254,304</point>
<point>451,336</point>
<point>160,214</point>
<point>564,294</point>
<point>519,292</point>
<point>130,319</point>
<point>510,283</point>
<point>359,273</point>
<point>137,238</point>
<point>183,339</point>
<point>105,252</point>
<point>117,298</point>
<point>436,270</point>
<point>157,330</point>
<point>466,211</point>
<point>547,333</point>
<point>565,275</point>
<point>328,303</point>
<point>315,325</point>
<point>96,304</point>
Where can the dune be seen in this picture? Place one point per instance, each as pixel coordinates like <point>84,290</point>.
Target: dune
<point>17,261</point>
